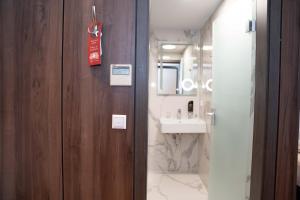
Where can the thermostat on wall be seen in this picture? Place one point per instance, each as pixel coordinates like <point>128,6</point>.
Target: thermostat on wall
<point>121,75</point>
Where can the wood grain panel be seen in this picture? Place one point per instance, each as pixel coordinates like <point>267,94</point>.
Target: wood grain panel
<point>266,99</point>
<point>288,106</point>
<point>30,106</point>
<point>141,100</point>
<point>98,161</point>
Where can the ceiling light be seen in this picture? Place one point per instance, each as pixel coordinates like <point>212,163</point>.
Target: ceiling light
<point>169,46</point>
<point>207,48</point>
<point>153,84</point>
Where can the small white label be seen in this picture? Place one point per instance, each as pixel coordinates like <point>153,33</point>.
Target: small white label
<point>119,121</point>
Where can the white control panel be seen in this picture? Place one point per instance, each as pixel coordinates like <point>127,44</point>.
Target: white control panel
<point>121,75</point>
<point>119,121</point>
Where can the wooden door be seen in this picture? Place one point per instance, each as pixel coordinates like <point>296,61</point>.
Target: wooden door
<point>30,99</point>
<point>97,161</point>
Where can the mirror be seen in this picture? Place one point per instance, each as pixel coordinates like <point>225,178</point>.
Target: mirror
<point>177,69</point>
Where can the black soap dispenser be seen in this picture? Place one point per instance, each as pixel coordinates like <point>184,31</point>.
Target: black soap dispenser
<point>190,109</point>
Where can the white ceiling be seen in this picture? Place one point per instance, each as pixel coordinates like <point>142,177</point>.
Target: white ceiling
<point>181,14</point>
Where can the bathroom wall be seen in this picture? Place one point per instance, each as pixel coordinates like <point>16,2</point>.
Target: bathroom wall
<point>205,101</point>
<point>170,153</point>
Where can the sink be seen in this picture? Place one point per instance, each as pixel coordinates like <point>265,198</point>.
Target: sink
<point>195,125</point>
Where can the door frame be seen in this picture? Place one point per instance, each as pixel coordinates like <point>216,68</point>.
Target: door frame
<point>288,125</point>
<point>277,61</point>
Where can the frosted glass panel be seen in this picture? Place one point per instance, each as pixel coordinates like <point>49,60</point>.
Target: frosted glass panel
<point>233,53</point>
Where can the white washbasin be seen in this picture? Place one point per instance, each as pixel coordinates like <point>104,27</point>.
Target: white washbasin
<point>170,125</point>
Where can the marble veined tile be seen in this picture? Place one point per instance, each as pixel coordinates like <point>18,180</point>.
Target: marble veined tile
<point>175,187</point>
<point>174,154</point>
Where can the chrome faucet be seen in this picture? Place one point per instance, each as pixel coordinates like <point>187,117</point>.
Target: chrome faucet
<point>179,114</point>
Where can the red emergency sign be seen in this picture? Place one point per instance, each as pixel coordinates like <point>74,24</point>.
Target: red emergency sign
<point>95,43</point>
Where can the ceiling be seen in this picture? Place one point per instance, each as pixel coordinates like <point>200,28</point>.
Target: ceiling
<point>181,14</point>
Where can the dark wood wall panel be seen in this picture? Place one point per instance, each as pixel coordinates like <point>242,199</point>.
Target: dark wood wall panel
<point>288,105</point>
<point>97,161</point>
<point>141,100</point>
<point>30,106</point>
<point>267,77</point>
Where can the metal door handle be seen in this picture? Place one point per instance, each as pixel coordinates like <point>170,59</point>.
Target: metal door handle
<point>212,115</point>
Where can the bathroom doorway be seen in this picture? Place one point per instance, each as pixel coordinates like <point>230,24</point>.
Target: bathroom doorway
<point>257,167</point>
<point>201,99</point>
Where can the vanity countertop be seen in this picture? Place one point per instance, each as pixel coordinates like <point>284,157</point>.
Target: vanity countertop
<point>174,126</point>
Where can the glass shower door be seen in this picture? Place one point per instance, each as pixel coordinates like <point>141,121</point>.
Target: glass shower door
<point>233,90</point>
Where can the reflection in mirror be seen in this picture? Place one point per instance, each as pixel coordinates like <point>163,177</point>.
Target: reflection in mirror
<point>177,72</point>
<point>208,85</point>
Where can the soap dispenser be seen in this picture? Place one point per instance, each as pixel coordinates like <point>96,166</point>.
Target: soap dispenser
<point>191,109</point>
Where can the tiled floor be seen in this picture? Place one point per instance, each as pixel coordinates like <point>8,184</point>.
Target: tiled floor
<point>175,187</point>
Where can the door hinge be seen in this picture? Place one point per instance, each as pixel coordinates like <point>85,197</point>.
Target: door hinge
<point>251,26</point>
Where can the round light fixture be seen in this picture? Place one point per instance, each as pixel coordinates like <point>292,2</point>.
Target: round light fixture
<point>207,48</point>
<point>208,85</point>
<point>169,46</point>
<point>153,84</point>
<point>197,48</point>
<point>187,84</point>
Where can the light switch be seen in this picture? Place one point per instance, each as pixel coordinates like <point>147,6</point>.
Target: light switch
<point>119,121</point>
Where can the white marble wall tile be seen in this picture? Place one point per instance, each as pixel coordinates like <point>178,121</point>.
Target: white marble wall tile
<point>205,105</point>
